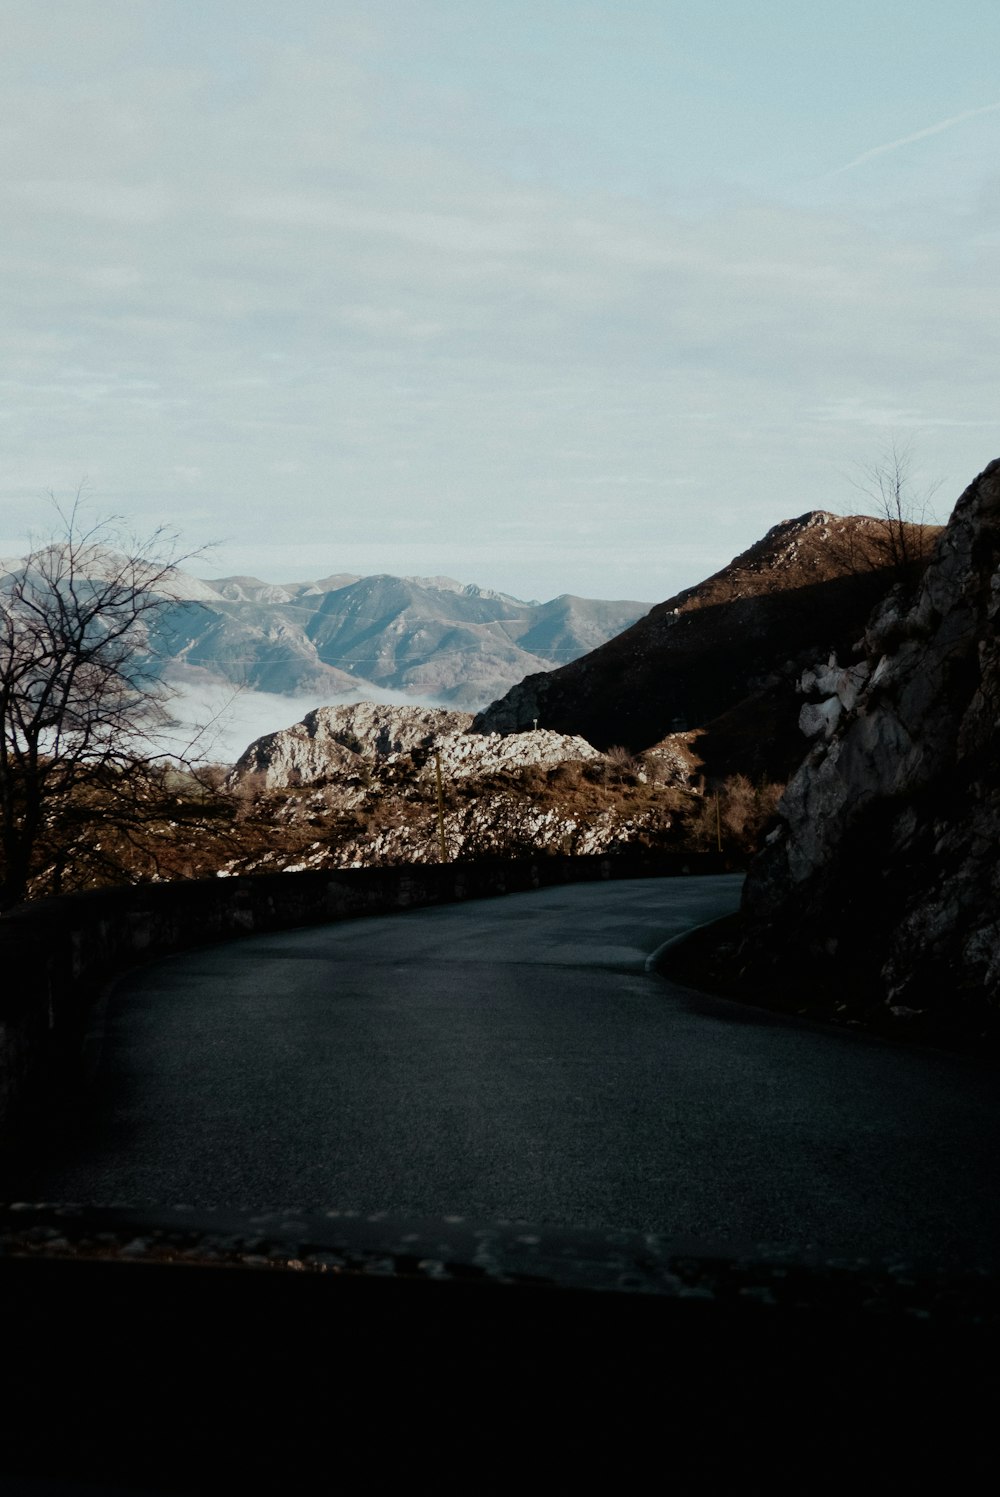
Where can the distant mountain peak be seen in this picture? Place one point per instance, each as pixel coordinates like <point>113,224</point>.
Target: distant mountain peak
<point>431,637</point>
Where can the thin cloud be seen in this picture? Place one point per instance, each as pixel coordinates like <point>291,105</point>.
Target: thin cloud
<point>908,140</point>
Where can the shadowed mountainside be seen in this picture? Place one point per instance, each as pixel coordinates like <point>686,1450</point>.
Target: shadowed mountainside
<point>712,670</point>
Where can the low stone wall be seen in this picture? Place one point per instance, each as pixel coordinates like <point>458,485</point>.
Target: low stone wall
<point>56,955</point>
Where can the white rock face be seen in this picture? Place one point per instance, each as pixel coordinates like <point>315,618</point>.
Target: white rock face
<point>840,688</point>
<point>485,753</point>
<point>335,744</point>
<point>820,717</point>
<point>500,825</point>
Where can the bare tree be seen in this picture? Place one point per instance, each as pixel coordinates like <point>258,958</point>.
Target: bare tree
<point>893,497</point>
<point>80,701</point>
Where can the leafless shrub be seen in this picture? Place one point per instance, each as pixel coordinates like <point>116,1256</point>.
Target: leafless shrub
<point>903,537</point>
<point>621,767</point>
<point>248,792</point>
<point>732,817</point>
<point>211,776</point>
<point>569,775</point>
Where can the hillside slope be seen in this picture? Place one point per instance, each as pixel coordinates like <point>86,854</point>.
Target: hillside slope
<point>713,669</point>
<point>357,786</point>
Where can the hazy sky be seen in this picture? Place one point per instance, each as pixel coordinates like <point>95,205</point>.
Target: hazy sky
<point>546,294</point>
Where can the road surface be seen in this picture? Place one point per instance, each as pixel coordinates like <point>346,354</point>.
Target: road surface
<point>512,1058</point>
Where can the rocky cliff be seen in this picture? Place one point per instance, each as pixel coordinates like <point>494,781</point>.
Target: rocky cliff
<point>882,874</point>
<point>710,673</point>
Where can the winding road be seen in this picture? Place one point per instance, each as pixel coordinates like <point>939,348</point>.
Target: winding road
<point>513,1058</point>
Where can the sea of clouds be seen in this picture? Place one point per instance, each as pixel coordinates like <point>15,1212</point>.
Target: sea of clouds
<point>214,721</point>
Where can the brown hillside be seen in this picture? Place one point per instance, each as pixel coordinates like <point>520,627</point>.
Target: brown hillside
<point>713,668</point>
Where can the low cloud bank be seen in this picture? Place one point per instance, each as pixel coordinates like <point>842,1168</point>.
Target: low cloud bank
<point>217,721</point>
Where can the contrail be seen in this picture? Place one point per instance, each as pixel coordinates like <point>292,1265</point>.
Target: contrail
<point>906,140</point>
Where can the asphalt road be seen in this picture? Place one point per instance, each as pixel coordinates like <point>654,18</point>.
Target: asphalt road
<point>512,1058</point>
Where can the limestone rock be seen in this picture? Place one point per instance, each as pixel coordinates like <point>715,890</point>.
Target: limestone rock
<point>887,849</point>
<point>334,744</point>
<point>364,777</point>
<point>839,689</point>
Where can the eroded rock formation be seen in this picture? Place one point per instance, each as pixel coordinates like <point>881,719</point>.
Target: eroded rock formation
<point>884,869</point>
<point>332,744</point>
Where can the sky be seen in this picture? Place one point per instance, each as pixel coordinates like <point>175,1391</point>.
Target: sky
<point>548,295</point>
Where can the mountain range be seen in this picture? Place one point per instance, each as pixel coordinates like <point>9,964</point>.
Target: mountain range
<point>415,636</point>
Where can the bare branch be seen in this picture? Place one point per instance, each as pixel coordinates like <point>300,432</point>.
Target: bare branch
<point>903,510</point>
<point>80,700</point>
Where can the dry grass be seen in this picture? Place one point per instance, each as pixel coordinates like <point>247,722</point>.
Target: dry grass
<point>199,826</point>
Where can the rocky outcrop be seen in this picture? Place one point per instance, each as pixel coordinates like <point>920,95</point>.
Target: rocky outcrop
<point>337,744</point>
<point>496,825</point>
<point>358,787</point>
<point>331,743</point>
<point>883,869</point>
<point>709,674</point>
